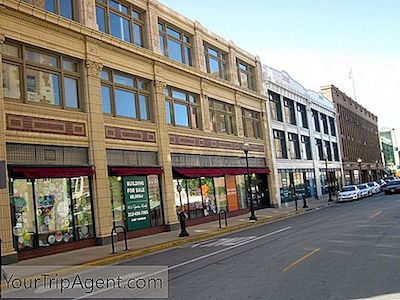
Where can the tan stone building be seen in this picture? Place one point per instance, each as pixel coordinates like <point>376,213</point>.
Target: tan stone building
<point>359,135</point>
<point>121,112</point>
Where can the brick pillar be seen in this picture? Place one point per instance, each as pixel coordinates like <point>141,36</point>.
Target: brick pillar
<point>101,186</point>
<point>87,13</point>
<point>205,107</point>
<point>231,64</point>
<point>9,254</point>
<point>151,27</point>
<point>198,48</point>
<point>164,154</point>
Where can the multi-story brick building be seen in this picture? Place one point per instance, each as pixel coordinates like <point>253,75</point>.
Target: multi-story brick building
<point>121,112</point>
<point>304,138</point>
<point>359,138</point>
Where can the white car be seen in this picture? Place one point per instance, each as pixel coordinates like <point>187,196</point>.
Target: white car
<point>365,190</point>
<point>350,192</point>
<point>375,187</point>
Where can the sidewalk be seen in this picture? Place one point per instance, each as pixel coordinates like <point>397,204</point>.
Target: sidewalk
<point>101,255</point>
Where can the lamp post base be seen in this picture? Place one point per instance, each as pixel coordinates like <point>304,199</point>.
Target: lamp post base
<point>253,217</point>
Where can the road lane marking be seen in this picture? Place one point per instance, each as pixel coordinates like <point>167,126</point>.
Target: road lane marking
<point>304,257</point>
<point>198,258</point>
<point>375,215</point>
<point>224,242</point>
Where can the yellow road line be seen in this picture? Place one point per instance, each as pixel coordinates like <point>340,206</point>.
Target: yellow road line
<point>300,260</point>
<point>375,215</point>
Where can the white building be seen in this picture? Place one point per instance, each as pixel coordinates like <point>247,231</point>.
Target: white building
<point>304,138</point>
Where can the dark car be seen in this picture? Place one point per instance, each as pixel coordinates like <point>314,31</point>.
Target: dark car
<point>392,187</point>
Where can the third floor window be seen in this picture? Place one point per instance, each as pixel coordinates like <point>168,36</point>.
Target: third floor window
<point>302,115</point>
<point>294,147</point>
<point>251,124</point>
<point>175,43</point>
<point>315,117</point>
<point>325,123</point>
<point>222,117</point>
<point>120,20</point>
<point>65,8</point>
<point>290,112</point>
<point>215,61</point>
<point>332,126</point>
<point>275,106</point>
<point>245,74</point>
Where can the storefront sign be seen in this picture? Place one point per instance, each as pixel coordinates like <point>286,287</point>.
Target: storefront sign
<point>233,204</point>
<point>136,202</point>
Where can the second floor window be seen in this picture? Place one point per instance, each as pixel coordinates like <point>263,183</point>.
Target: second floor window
<point>315,117</point>
<point>306,147</point>
<point>328,151</point>
<point>290,113</point>
<point>325,123</point>
<point>332,126</point>
<point>120,20</point>
<point>36,76</point>
<point>174,43</point>
<point>320,150</point>
<point>335,151</point>
<point>182,108</point>
<point>302,115</point>
<point>215,61</point>
<point>251,124</point>
<point>294,147</point>
<point>245,74</point>
<point>280,144</point>
<point>275,106</point>
<point>125,95</point>
<point>63,8</point>
<point>222,117</point>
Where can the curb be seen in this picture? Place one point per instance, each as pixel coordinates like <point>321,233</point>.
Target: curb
<point>178,242</point>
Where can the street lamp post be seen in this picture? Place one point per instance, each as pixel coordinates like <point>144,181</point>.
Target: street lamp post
<point>246,148</point>
<point>327,182</point>
<point>359,170</point>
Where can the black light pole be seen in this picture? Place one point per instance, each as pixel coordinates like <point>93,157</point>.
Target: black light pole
<point>359,170</point>
<point>246,148</point>
<point>327,182</point>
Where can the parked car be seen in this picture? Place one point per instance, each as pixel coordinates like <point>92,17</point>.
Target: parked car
<point>375,187</point>
<point>350,192</point>
<point>365,190</point>
<point>392,187</point>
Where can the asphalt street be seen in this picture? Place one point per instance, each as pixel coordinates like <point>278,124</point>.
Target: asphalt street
<point>345,251</point>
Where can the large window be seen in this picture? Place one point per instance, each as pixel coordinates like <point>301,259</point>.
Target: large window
<point>294,147</point>
<point>175,43</point>
<point>120,20</point>
<point>306,147</point>
<point>320,150</point>
<point>290,113</point>
<point>251,124</point>
<point>315,117</point>
<point>65,8</point>
<point>222,117</point>
<point>325,123</point>
<point>302,115</point>
<point>328,150</point>
<point>280,144</point>
<point>182,108</point>
<point>275,106</point>
<point>37,76</point>
<point>215,61</point>
<point>332,126</point>
<point>335,151</point>
<point>245,74</point>
<point>125,95</point>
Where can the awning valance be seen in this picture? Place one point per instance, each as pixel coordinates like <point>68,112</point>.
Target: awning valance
<point>214,172</point>
<point>127,171</point>
<point>51,172</point>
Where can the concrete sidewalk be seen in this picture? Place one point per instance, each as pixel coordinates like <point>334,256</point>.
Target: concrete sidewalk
<point>101,255</point>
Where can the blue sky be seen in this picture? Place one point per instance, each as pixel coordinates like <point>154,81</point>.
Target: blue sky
<point>316,42</point>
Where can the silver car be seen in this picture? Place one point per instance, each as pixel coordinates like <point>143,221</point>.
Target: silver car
<point>375,187</point>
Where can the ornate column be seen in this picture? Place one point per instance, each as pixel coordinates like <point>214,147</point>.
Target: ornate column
<point>232,69</point>
<point>87,13</point>
<point>101,187</point>
<point>205,107</point>
<point>151,27</point>
<point>198,48</point>
<point>9,254</point>
<point>164,152</point>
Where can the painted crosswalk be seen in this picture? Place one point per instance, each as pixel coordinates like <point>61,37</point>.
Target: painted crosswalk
<point>224,242</point>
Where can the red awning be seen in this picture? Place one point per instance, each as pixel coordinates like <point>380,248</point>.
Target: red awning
<point>213,172</point>
<point>52,172</point>
<point>126,171</point>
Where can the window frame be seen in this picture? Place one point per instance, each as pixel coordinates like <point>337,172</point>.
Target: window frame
<point>279,135</point>
<point>132,21</point>
<point>332,126</point>
<point>276,99</point>
<point>302,110</point>
<point>306,144</point>
<point>315,116</point>
<point>24,65</point>
<point>229,115</point>
<point>294,142</point>
<point>168,95</point>
<point>135,90</point>
<point>249,72</point>
<point>221,58</point>
<point>291,111</point>
<point>162,33</point>
<point>57,8</point>
<point>256,123</point>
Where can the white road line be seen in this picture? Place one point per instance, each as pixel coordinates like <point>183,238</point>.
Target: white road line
<point>199,258</point>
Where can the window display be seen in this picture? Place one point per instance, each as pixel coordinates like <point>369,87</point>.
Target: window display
<point>207,189</point>
<point>220,193</point>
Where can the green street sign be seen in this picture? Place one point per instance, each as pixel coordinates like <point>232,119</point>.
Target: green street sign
<point>136,202</point>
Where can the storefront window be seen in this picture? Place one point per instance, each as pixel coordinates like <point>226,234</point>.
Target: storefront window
<point>156,216</point>
<point>207,188</point>
<point>220,193</point>
<point>117,200</point>
<point>23,212</point>
<point>284,181</point>
<point>241,191</point>
<point>80,188</point>
<point>195,200</point>
<point>181,199</point>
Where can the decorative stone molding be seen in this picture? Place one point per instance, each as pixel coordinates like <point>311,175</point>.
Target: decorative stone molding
<point>118,133</point>
<point>160,84</point>
<point>2,38</point>
<point>94,68</point>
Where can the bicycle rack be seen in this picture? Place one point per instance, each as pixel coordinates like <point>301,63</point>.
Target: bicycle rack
<point>114,230</point>
<point>222,211</point>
